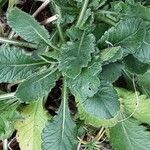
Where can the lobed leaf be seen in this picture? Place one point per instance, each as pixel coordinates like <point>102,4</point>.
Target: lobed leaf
<point>76,55</point>
<point>87,83</point>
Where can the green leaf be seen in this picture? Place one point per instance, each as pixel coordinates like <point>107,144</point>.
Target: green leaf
<point>76,55</point>
<point>37,86</point>
<point>95,4</point>
<point>27,27</point>
<point>111,54</point>
<point>128,34</point>
<point>138,106</point>
<point>144,82</point>
<point>9,114</point>
<point>102,108</point>
<point>134,66</point>
<point>111,72</point>
<point>15,64</point>
<point>60,133</point>
<point>29,129</point>
<point>143,53</point>
<point>129,135</point>
<point>87,83</point>
<point>136,10</point>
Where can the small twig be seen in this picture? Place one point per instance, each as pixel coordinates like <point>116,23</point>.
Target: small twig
<point>11,142</point>
<point>100,134</point>
<point>51,19</point>
<point>5,144</point>
<point>45,3</point>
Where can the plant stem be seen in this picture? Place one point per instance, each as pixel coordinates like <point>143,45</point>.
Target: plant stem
<point>18,43</point>
<point>105,19</point>
<point>5,96</point>
<point>58,24</point>
<point>5,144</point>
<point>83,10</point>
<point>64,91</point>
<point>64,100</point>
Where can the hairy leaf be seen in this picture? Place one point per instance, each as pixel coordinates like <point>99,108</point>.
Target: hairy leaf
<point>102,108</point>
<point>27,27</point>
<point>111,54</point>
<point>59,133</point>
<point>143,53</point>
<point>137,105</point>
<point>76,55</point>
<point>9,114</point>
<point>29,128</point>
<point>87,83</point>
<point>111,72</point>
<point>37,86</point>
<point>133,65</point>
<point>128,34</point>
<point>15,64</point>
<point>144,82</point>
<point>129,135</point>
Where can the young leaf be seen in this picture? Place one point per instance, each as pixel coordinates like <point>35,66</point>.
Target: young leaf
<point>16,65</point>
<point>27,27</point>
<point>127,33</point>
<point>139,106</point>
<point>29,128</point>
<point>102,108</point>
<point>76,55</point>
<point>37,86</point>
<point>87,83</point>
<point>60,133</point>
<point>129,135</point>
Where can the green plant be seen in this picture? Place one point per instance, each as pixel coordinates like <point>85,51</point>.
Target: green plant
<point>91,45</point>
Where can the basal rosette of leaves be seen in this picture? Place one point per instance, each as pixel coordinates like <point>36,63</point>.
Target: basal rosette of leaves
<point>95,48</point>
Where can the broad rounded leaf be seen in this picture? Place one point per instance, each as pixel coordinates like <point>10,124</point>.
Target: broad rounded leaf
<point>134,66</point>
<point>111,72</point>
<point>102,108</point>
